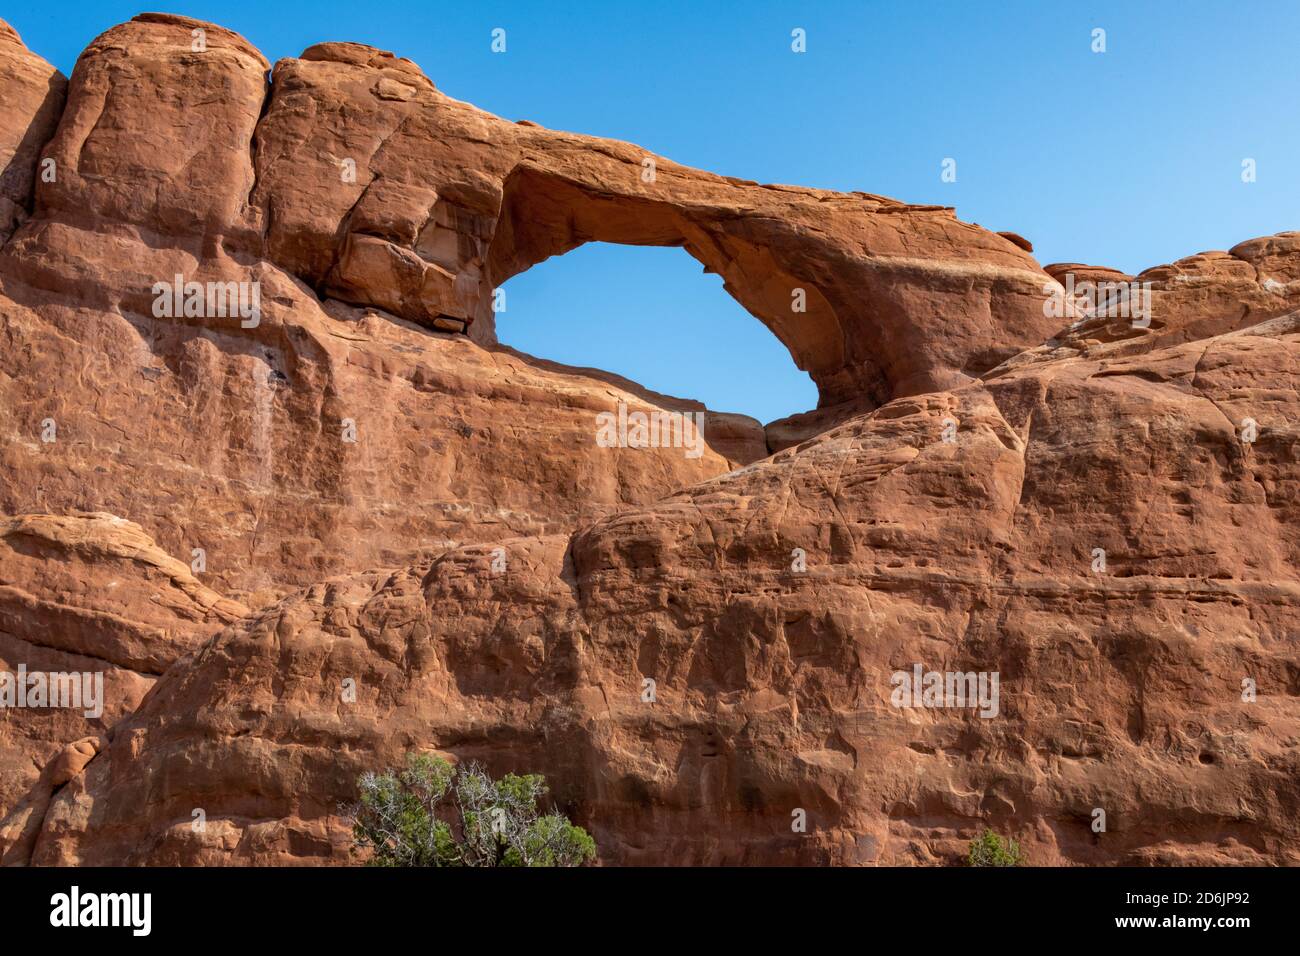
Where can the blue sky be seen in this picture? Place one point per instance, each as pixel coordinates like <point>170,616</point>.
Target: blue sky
<point>1127,158</point>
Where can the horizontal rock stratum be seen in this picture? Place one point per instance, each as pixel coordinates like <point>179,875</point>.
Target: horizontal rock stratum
<point>236,522</point>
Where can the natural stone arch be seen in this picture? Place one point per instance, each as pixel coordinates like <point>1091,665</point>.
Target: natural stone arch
<point>545,215</point>
<point>447,201</point>
<point>451,201</point>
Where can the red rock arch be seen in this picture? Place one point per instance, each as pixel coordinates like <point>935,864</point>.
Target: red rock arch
<point>544,215</point>
<point>446,201</point>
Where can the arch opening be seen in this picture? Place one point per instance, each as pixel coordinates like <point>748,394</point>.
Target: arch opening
<point>545,214</point>
<point>649,315</point>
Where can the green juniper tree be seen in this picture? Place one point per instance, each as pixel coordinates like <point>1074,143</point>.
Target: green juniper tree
<point>433,814</point>
<point>989,849</point>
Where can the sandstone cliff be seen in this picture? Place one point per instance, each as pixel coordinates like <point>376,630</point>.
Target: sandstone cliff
<point>691,649</point>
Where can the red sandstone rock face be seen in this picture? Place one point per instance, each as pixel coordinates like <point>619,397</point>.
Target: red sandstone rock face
<point>1194,298</point>
<point>33,99</point>
<point>691,649</point>
<point>89,593</point>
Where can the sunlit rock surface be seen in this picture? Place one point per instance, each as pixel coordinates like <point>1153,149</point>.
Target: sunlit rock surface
<point>237,521</point>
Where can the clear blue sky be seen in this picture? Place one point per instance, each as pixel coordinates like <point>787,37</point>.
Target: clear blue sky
<point>1128,158</point>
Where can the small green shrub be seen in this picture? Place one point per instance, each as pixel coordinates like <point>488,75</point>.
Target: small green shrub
<point>433,814</point>
<point>989,849</point>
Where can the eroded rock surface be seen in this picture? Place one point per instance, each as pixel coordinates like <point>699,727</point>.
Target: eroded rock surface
<point>33,99</point>
<point>89,594</point>
<point>694,650</point>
